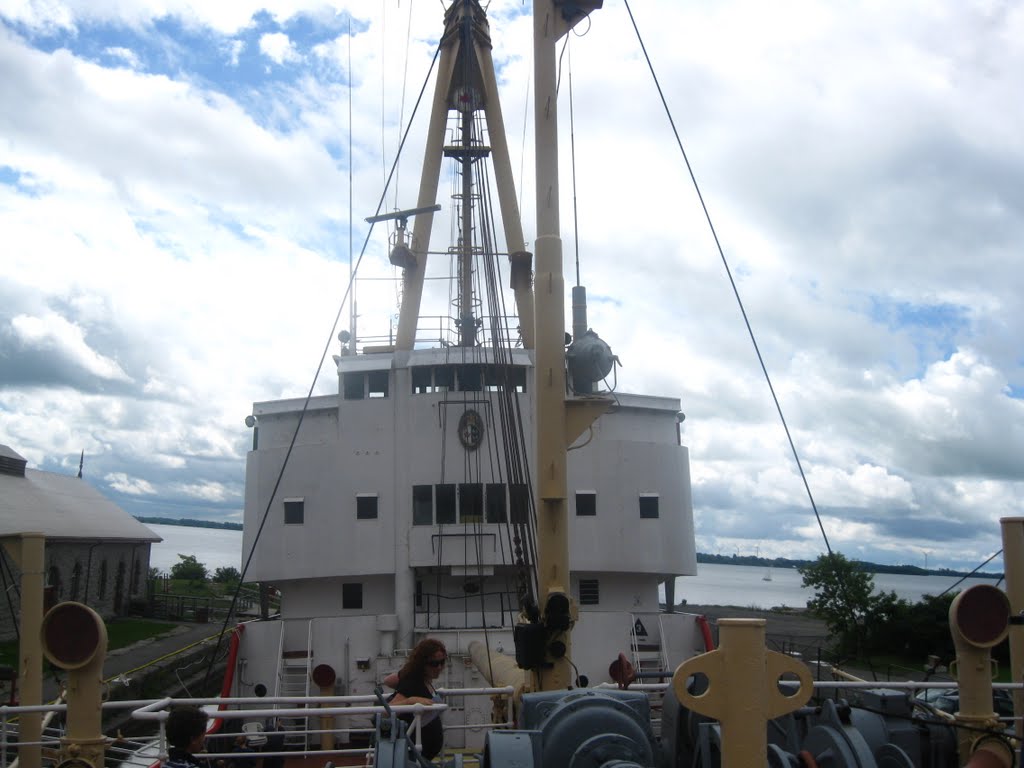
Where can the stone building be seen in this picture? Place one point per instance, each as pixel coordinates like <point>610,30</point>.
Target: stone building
<point>96,553</point>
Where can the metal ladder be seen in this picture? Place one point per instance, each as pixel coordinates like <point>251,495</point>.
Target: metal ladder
<point>293,676</point>
<point>649,656</point>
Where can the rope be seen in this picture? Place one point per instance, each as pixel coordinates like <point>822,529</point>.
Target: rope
<point>316,375</point>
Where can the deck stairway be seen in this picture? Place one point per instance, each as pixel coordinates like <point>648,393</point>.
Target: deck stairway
<point>293,679</point>
<point>648,655</point>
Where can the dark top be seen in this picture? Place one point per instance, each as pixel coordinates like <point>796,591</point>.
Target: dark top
<point>179,758</point>
<point>432,733</point>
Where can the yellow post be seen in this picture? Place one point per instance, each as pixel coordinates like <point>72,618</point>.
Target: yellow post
<point>28,550</point>
<point>1013,567</point>
<point>743,689</point>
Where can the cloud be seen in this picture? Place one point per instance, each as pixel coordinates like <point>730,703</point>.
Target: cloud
<point>278,48</point>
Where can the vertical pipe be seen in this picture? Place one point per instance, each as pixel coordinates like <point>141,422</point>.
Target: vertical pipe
<point>549,311</point>
<point>30,561</point>
<point>1013,568</point>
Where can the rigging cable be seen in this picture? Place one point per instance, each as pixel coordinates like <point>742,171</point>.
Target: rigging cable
<point>316,376</point>
<point>964,578</point>
<point>732,282</point>
<point>572,152</point>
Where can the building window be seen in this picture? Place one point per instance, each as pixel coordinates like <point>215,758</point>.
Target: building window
<point>648,505</point>
<point>495,500</point>
<point>589,592</point>
<point>586,503</point>
<point>377,384</point>
<point>76,579</point>
<point>444,497</point>
<point>366,506</point>
<point>54,582</point>
<point>351,596</point>
<point>354,385</point>
<point>519,502</point>
<point>471,502</point>
<point>422,505</point>
<point>136,577</point>
<point>103,579</point>
<point>294,511</point>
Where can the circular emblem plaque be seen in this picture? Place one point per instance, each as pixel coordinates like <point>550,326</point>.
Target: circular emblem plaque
<point>471,430</point>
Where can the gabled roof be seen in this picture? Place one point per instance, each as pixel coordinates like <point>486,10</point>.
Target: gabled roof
<point>64,507</point>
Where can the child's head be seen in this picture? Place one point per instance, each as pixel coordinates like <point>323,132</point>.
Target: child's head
<point>186,728</point>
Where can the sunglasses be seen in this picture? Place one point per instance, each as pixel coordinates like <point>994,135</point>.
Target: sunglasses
<point>436,663</point>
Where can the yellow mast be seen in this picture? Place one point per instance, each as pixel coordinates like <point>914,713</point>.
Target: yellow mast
<point>559,422</point>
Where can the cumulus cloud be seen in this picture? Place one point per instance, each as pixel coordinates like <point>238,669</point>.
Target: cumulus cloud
<point>176,242</point>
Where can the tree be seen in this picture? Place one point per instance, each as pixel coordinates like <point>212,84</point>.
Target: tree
<point>188,568</point>
<point>842,597</point>
<point>227,574</point>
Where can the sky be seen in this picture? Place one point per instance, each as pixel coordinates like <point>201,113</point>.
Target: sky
<point>178,232</point>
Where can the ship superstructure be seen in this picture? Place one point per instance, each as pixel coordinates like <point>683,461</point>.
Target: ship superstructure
<point>407,504</point>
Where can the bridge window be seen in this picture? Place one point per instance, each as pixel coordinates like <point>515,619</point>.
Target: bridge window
<point>366,506</point>
<point>422,505</point>
<point>648,505</point>
<point>495,500</point>
<point>377,384</point>
<point>294,511</point>
<point>445,500</point>
<point>352,596</point>
<point>519,502</point>
<point>354,385</point>
<point>471,502</point>
<point>586,503</point>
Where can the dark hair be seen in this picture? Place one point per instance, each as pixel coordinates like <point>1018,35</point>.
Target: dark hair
<point>184,724</point>
<point>416,665</point>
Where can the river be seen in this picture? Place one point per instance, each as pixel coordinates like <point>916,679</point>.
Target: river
<point>714,584</point>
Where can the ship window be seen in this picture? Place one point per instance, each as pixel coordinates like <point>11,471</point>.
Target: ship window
<point>294,511</point>
<point>444,375</point>
<point>469,378</point>
<point>445,499</point>
<point>422,505</point>
<point>471,502</point>
<point>590,592</point>
<point>419,593</point>
<point>519,501</point>
<point>517,379</point>
<point>377,384</point>
<point>504,377</point>
<point>351,596</point>
<point>496,503</point>
<point>354,386</point>
<point>586,503</point>
<point>648,505</point>
<point>366,506</point>
<point>421,380</point>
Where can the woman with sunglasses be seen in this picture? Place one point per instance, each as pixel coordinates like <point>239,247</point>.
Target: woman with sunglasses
<point>415,685</point>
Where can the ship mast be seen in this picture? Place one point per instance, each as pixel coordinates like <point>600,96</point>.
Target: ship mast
<point>465,82</point>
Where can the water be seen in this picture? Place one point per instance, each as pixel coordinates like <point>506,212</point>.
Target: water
<point>213,547</point>
<point>714,584</point>
<point>744,586</point>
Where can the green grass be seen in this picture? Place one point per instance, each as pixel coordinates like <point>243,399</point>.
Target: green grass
<point>120,633</point>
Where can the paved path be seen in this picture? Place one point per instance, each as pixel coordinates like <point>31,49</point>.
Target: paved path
<point>132,660</point>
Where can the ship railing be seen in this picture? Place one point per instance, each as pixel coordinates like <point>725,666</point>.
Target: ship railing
<point>146,752</point>
<point>439,331</point>
<point>432,617</point>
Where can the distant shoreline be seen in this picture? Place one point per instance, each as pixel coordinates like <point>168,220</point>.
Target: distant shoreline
<point>760,562</point>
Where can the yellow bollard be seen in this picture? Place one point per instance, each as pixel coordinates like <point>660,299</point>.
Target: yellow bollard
<point>743,689</point>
